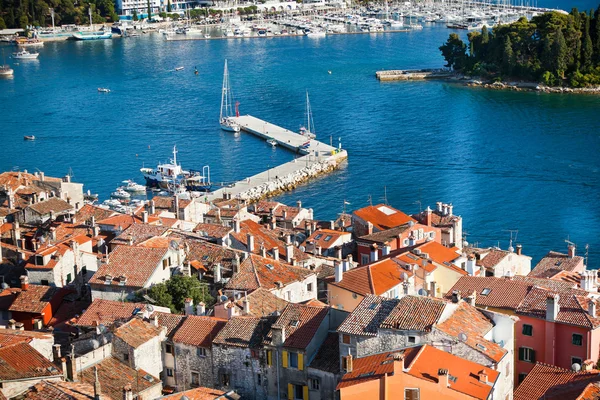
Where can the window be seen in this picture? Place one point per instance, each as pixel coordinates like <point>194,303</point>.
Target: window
<point>68,278</point>
<point>521,377</point>
<point>327,238</point>
<point>412,339</point>
<point>364,259</point>
<point>126,356</point>
<point>527,330</point>
<point>526,354</point>
<point>84,270</point>
<point>288,295</point>
<point>293,360</point>
<point>169,348</point>
<point>298,392</point>
<point>309,287</point>
<point>346,339</point>
<point>169,372</point>
<point>411,394</point>
<point>486,291</point>
<point>165,263</point>
<point>319,236</point>
<point>195,379</point>
<point>314,383</point>
<point>405,242</point>
<point>225,379</point>
<point>576,360</point>
<point>577,339</point>
<point>39,260</point>
<point>259,379</point>
<point>45,282</point>
<point>432,235</point>
<point>201,352</point>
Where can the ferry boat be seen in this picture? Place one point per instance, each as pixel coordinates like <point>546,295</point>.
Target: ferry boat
<point>171,175</point>
<point>25,55</point>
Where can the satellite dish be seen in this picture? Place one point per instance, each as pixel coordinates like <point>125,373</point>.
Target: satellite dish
<point>173,245</point>
<point>101,328</point>
<point>404,276</point>
<point>462,337</point>
<point>302,249</point>
<point>95,344</point>
<point>223,298</point>
<point>150,308</point>
<point>423,292</point>
<point>576,367</point>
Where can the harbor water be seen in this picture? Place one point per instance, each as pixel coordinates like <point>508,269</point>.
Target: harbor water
<point>506,160</point>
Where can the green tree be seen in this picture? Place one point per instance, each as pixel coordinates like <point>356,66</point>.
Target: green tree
<point>559,54</point>
<point>173,292</point>
<point>169,6</point>
<point>10,18</point>
<point>587,48</point>
<point>160,293</point>
<point>135,16</point>
<point>596,36</point>
<point>508,57</point>
<point>149,10</point>
<point>454,52</point>
<point>23,21</point>
<point>2,23</point>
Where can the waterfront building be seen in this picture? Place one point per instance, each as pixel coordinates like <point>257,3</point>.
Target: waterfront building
<point>496,262</point>
<point>284,216</point>
<point>328,243</point>
<point>557,265</point>
<point>443,217</point>
<point>371,219</point>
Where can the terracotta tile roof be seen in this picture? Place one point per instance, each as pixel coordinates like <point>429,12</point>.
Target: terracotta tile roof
<point>200,393</point>
<point>59,390</point>
<point>8,336</point>
<point>573,307</point>
<point>137,264</point>
<point>383,216</point>
<point>437,218</point>
<point>139,233</point>
<point>492,258</point>
<point>553,263</point>
<point>264,207</point>
<point>168,203</point>
<point>212,230</point>
<point>300,323</point>
<point>15,179</point>
<point>107,312</point>
<point>244,331</point>
<point>160,242</point>
<point>549,382</point>
<point>376,366</point>
<point>66,315</point>
<point>367,317</point>
<point>324,270</point>
<point>385,236</point>
<point>430,360</point>
<point>121,221</point>
<point>88,211</point>
<point>328,357</point>
<point>500,292</point>
<point>53,204</point>
<point>7,296</point>
<point>263,303</point>
<point>198,331</point>
<point>21,361</point>
<point>34,299</point>
<point>414,313</point>
<point>324,234</point>
<point>136,332</point>
<point>547,283</point>
<point>264,237</point>
<point>210,254</point>
<point>468,320</point>
<point>113,375</point>
<point>376,278</point>
<point>170,321</point>
<point>256,271</point>
<point>439,253</point>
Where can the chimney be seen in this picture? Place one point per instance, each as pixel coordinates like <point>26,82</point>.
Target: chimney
<point>350,262</point>
<point>483,377</point>
<point>217,273</point>
<point>519,250</point>
<point>130,240</point>
<point>443,377</point>
<point>63,366</point>
<point>374,253</point>
<point>444,209</point>
<point>317,250</point>
<point>456,296</point>
<point>236,225</point>
<point>473,298</point>
<point>42,176</point>
<point>299,204</point>
<point>284,214</point>
<point>127,392</point>
<point>587,365</point>
<point>347,363</point>
<point>439,207</point>
<point>250,243</point>
<point>56,356</point>
<point>386,249</point>
<point>450,207</point>
<point>24,282</point>
<point>428,216</point>
<point>571,251</point>
<point>189,306</point>
<point>369,228</point>
<point>246,303</point>
<point>433,289</point>
<point>152,207</point>
<point>12,324</point>
<point>338,252</point>
<point>263,251</point>
<point>145,217</point>
<point>155,321</point>
<point>471,264</point>
<point>339,271</point>
<point>201,309</point>
<point>19,326</point>
<point>592,308</point>
<point>278,335</point>
<point>552,307</point>
<point>398,362</point>
<point>97,392</point>
<point>273,223</point>
<point>235,263</point>
<point>72,365</point>
<point>289,253</point>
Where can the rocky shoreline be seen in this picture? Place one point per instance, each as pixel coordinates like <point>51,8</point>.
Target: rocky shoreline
<point>527,87</point>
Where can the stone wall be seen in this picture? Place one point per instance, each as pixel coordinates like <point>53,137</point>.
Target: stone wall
<point>243,370</point>
<point>187,361</point>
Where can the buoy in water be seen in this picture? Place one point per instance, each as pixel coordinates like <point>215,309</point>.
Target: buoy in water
<point>329,72</point>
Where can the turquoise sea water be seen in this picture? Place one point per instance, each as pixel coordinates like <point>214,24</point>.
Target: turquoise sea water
<point>506,160</point>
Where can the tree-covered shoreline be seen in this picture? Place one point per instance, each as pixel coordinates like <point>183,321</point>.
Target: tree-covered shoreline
<point>555,49</point>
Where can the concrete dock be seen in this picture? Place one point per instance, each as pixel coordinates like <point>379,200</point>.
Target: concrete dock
<point>316,159</point>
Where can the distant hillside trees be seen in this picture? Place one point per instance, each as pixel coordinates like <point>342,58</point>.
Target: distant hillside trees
<point>553,48</point>
<point>21,13</point>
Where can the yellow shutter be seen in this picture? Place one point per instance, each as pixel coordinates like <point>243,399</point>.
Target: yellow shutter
<point>305,392</point>
<point>284,359</point>
<point>290,391</point>
<point>300,361</point>
<point>269,357</point>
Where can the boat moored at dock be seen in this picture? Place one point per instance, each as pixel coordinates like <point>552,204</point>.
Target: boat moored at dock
<point>225,117</point>
<point>25,55</point>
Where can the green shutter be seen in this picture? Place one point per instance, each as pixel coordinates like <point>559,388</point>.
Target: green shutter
<point>532,352</point>
<point>521,353</point>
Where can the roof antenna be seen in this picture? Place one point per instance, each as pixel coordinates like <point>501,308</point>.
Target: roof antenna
<point>370,201</point>
<point>587,253</point>
<point>385,201</point>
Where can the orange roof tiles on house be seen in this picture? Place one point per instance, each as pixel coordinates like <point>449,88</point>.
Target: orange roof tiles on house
<point>53,204</point>
<point>198,331</point>
<point>59,390</point>
<point>136,332</point>
<point>169,321</point>
<point>21,361</point>
<point>263,303</point>
<point>199,393</point>
<point>246,331</point>
<point>300,323</point>
<point>326,237</point>
<point>159,242</point>
<point>438,252</point>
<point>14,179</point>
<point>383,216</point>
<point>137,264</point>
<point>212,230</point>
<point>106,312</point>
<point>468,320</point>
<point>385,236</point>
<point>138,233</point>
<point>493,258</point>
<point>12,336</point>
<point>376,278</point>
<point>88,211</point>
<point>554,263</point>
<point>34,299</point>
<point>548,382</point>
<point>499,292</point>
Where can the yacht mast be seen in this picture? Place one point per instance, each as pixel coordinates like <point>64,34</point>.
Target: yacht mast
<point>224,94</point>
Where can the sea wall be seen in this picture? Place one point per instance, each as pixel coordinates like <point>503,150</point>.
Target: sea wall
<point>289,182</point>
<point>531,86</point>
<point>414,75</point>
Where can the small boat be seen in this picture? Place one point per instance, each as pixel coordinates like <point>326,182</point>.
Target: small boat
<point>132,187</point>
<point>103,90</point>
<point>179,69</point>
<point>29,137</point>
<point>272,142</point>
<point>226,116</point>
<point>120,194</point>
<point>5,70</point>
<point>309,129</point>
<point>25,55</point>
<point>92,36</point>
<point>30,43</point>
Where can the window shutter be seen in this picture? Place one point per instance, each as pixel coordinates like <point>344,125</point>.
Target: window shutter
<point>305,392</point>
<point>301,361</point>
<point>269,357</point>
<point>521,353</point>
<point>284,359</point>
<point>290,391</point>
<point>532,355</point>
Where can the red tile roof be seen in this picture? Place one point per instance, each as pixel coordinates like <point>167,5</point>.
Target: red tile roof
<point>438,252</point>
<point>244,331</point>
<point>300,323</point>
<point>21,361</point>
<point>34,299</point>
<point>493,258</point>
<point>106,312</point>
<point>53,204</point>
<point>383,216</point>
<point>501,292</point>
<point>263,303</point>
<point>169,321</point>
<point>198,331</point>
<point>136,332</point>
<point>554,262</point>
<point>324,234</point>
<point>212,230</point>
<point>137,264</point>
<point>139,233</point>
<point>59,390</point>
<point>376,278</point>
<point>548,382</point>
<point>200,393</point>
<point>88,211</point>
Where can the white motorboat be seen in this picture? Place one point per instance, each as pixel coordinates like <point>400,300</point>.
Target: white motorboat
<point>112,203</point>
<point>272,142</point>
<point>179,69</point>
<point>25,55</point>
<point>226,116</point>
<point>120,194</point>
<point>132,187</point>
<point>103,90</point>
<point>5,70</point>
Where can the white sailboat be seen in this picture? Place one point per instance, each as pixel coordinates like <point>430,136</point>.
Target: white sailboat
<point>309,129</point>
<point>226,118</point>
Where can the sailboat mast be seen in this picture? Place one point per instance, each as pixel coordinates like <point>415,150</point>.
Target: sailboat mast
<point>224,91</point>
